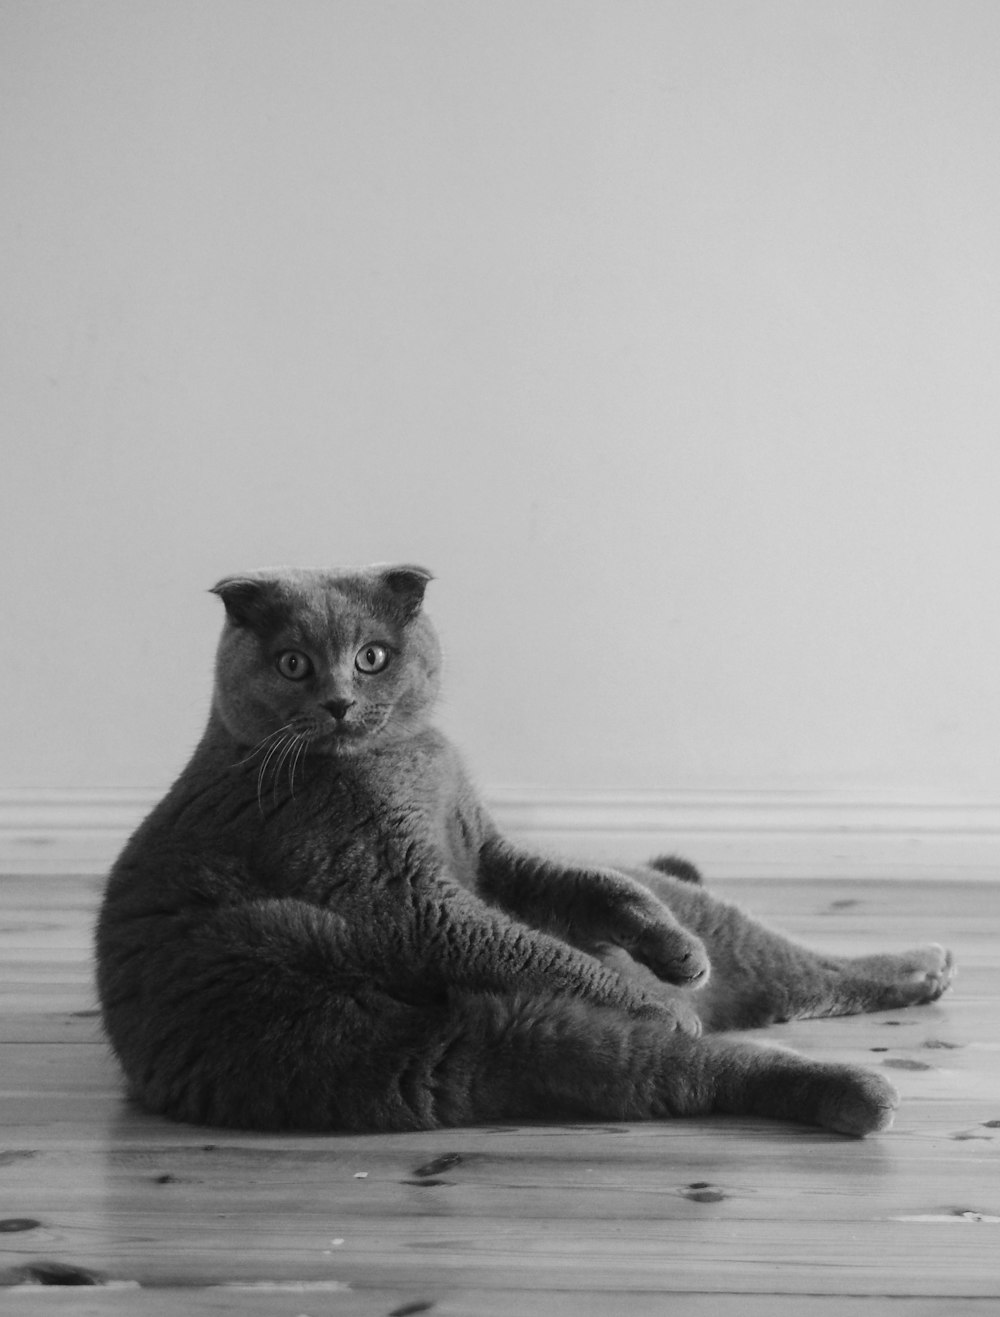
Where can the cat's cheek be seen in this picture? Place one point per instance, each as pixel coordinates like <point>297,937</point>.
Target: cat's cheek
<point>243,719</point>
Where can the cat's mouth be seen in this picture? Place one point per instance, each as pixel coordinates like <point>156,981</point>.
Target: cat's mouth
<point>341,735</point>
<point>347,732</point>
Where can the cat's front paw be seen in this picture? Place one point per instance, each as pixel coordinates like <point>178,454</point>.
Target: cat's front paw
<point>672,1007</point>
<point>671,953</point>
<point>635,920</point>
<point>674,1014</point>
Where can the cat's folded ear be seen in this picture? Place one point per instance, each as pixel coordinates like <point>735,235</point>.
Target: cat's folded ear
<point>248,602</point>
<point>405,586</point>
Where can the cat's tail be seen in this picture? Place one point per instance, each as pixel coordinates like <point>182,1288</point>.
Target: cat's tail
<point>676,867</point>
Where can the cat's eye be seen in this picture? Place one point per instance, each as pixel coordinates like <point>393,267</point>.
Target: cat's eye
<point>371,659</point>
<point>294,665</point>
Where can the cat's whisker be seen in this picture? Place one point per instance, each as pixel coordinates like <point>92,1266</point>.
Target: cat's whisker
<point>287,749</point>
<point>300,751</point>
<point>261,744</point>
<point>272,751</point>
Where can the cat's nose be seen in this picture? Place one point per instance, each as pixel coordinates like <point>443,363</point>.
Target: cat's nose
<point>337,708</point>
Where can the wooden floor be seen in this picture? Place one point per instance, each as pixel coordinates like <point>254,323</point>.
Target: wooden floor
<point>106,1210</point>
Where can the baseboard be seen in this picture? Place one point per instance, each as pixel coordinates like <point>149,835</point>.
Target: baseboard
<point>760,834</point>
<point>729,834</point>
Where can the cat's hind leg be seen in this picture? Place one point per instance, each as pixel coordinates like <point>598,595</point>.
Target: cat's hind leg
<point>800,984</point>
<point>483,1057</point>
<point>760,976</point>
<point>550,1058</point>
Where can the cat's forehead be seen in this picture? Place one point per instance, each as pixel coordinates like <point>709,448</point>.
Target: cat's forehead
<point>325,603</point>
<point>328,607</point>
<point>335,614</point>
<point>310,581</point>
<point>322,602</point>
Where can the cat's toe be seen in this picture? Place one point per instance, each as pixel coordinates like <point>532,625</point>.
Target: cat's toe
<point>858,1103</point>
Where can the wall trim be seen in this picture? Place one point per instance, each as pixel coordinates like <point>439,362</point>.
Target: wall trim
<point>730,834</point>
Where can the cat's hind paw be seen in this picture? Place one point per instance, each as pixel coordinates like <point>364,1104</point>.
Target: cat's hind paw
<point>856,1102</point>
<point>910,978</point>
<point>931,971</point>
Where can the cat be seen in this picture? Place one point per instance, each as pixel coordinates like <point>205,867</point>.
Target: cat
<point>321,928</point>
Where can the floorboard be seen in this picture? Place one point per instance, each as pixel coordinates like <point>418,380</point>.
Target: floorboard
<point>104,1209</point>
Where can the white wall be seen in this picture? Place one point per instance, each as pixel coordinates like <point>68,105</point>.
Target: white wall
<point>666,334</point>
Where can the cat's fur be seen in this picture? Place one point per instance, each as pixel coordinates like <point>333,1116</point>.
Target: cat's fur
<point>321,928</point>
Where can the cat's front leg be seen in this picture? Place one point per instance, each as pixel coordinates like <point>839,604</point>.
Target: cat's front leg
<point>592,908</point>
<point>440,937</point>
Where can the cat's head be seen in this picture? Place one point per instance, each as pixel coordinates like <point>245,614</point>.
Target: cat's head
<point>344,659</point>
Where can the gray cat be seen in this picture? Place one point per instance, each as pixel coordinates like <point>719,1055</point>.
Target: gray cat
<point>321,928</point>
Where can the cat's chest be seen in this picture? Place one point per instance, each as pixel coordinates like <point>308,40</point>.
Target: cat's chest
<point>369,826</point>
